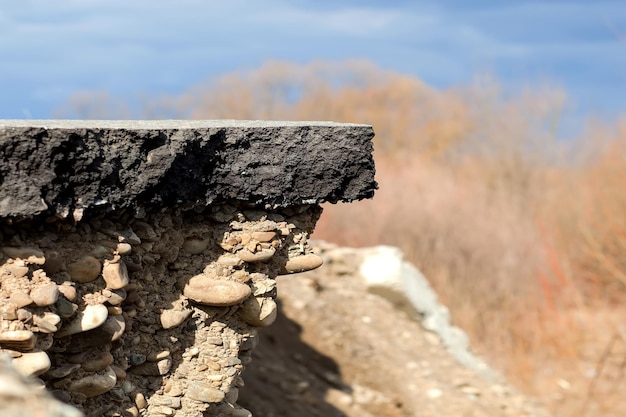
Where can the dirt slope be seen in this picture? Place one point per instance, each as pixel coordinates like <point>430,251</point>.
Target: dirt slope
<point>336,350</point>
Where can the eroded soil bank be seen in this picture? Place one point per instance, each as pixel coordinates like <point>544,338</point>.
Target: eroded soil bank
<point>153,314</point>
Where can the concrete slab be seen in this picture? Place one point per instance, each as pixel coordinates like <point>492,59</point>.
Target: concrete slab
<point>55,167</point>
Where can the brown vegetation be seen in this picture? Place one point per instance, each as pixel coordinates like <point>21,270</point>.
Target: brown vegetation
<point>522,235</point>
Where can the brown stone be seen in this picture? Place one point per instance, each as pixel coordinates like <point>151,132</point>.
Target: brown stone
<point>98,363</point>
<point>302,263</point>
<point>54,263</point>
<point>263,255</point>
<point>171,317</point>
<point>86,269</point>
<point>205,290</point>
<point>195,246</point>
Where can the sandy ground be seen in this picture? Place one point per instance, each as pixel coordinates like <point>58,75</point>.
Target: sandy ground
<point>336,350</point>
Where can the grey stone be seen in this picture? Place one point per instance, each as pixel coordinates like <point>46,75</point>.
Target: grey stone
<point>94,384</point>
<point>63,370</point>
<point>86,269</point>
<point>29,255</point>
<point>171,318</point>
<point>75,167</point>
<point>203,392</point>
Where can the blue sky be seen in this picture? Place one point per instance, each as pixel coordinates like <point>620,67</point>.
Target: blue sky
<point>50,49</point>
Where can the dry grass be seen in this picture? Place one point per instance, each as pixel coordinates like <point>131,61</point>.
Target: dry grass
<point>524,241</point>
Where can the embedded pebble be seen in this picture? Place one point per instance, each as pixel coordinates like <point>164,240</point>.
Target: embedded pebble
<point>24,315</point>
<point>264,286</point>
<point>131,411</point>
<point>115,310</point>
<point>29,255</point>
<point>115,274</point>
<point>54,263</point>
<point>32,363</point>
<point>94,384</point>
<point>84,270</point>
<point>261,256</point>
<point>115,297</point>
<point>203,392</point>
<point>136,359</point>
<point>129,236</point>
<point>208,291</point>
<point>47,323</point>
<point>8,310</point>
<point>63,370</point>
<point>119,372</point>
<point>20,299</point>
<point>264,226</point>
<point>228,259</point>
<point>168,401</point>
<point>195,246</point>
<point>159,368</point>
<point>45,295</point>
<point>18,339</point>
<point>232,361</point>
<point>18,270</point>
<point>98,363</point>
<point>238,412</point>
<point>302,263</point>
<point>68,291</point>
<point>65,308</point>
<point>12,353</point>
<point>124,248</point>
<point>100,251</point>
<point>156,356</point>
<point>113,327</point>
<point>90,318</point>
<point>140,401</point>
<point>232,395</point>
<point>171,318</point>
<point>260,312</point>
